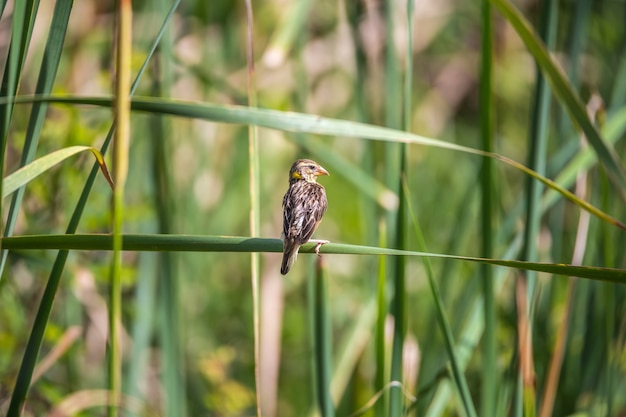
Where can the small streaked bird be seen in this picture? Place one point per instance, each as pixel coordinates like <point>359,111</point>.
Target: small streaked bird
<point>304,204</point>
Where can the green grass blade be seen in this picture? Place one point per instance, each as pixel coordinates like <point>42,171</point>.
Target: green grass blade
<point>22,23</point>
<point>398,308</point>
<point>618,95</point>
<point>351,350</point>
<point>299,122</point>
<point>47,75</point>
<point>393,83</point>
<point>538,135</point>
<point>489,374</point>
<point>538,145</point>
<point>31,171</point>
<point>31,353</point>
<point>458,375</point>
<point>408,71</point>
<point>171,333</point>
<point>562,89</point>
<point>243,244</point>
<point>381,318</point>
<point>322,342</point>
<point>613,130</point>
<point>470,335</point>
<point>143,326</point>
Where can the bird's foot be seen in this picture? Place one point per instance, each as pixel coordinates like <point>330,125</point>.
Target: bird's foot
<point>318,245</point>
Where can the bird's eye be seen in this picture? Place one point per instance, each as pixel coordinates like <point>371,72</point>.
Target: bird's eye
<point>311,167</point>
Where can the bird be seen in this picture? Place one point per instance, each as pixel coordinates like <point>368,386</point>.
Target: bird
<point>304,205</point>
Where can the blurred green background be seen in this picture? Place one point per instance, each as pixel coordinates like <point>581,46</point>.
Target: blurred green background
<point>188,316</point>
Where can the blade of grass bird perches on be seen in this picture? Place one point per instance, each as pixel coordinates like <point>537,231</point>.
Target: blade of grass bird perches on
<point>300,122</point>
<point>241,244</point>
<point>29,172</point>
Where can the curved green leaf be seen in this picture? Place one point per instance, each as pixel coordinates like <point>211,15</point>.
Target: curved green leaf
<point>309,123</point>
<point>29,172</point>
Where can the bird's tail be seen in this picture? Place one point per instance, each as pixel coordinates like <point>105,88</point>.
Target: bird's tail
<point>289,258</point>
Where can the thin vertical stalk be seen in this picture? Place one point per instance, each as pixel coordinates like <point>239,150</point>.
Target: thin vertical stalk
<point>398,305</point>
<point>147,303</point>
<point>47,74</point>
<point>525,393</point>
<point>408,71</point>
<point>21,31</point>
<point>381,319</point>
<point>393,170</point>
<point>538,140</point>
<point>610,292</point>
<point>489,375</point>
<point>578,32</point>
<point>171,332</point>
<point>537,161</point>
<point>121,149</point>
<point>618,93</point>
<point>392,92</point>
<point>255,216</point>
<point>322,341</point>
<point>556,362</point>
<point>393,117</point>
<point>442,319</point>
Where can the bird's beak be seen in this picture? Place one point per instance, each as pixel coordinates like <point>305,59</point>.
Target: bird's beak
<point>320,171</point>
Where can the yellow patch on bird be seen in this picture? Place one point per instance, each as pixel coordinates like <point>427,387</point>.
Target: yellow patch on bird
<point>296,175</point>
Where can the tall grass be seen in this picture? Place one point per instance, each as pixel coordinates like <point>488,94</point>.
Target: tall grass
<point>414,111</point>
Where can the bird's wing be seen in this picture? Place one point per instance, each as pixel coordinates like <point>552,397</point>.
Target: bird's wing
<point>302,212</point>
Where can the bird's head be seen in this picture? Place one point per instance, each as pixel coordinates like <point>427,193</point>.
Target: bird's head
<point>307,170</point>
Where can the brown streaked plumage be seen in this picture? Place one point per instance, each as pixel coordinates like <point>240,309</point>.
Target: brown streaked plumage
<point>304,204</point>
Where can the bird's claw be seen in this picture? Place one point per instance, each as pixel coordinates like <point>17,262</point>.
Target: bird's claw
<point>319,245</point>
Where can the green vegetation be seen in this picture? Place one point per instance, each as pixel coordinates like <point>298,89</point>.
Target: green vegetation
<point>476,208</point>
